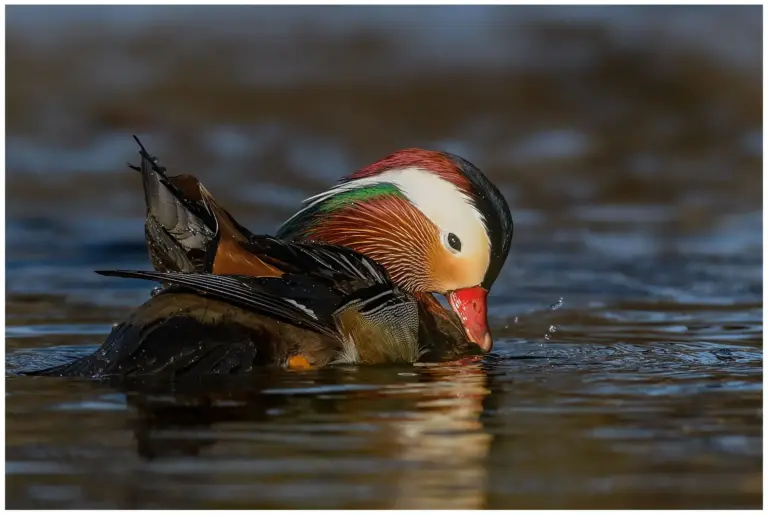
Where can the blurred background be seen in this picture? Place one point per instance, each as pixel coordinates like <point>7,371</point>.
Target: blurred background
<point>628,320</point>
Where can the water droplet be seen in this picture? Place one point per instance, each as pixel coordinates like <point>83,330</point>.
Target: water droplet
<point>556,305</point>
<point>547,336</point>
<point>516,320</point>
<point>552,328</point>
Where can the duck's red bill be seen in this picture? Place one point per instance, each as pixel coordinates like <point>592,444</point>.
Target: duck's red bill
<point>472,307</point>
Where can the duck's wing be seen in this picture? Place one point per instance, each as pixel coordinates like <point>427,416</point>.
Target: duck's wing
<point>328,289</point>
<point>266,296</point>
<point>316,282</point>
<point>187,230</point>
<point>375,323</point>
<point>327,262</point>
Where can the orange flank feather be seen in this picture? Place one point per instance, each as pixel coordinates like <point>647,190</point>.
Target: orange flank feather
<point>231,258</point>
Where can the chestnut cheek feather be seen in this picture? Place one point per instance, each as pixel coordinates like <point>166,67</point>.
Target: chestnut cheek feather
<point>393,233</point>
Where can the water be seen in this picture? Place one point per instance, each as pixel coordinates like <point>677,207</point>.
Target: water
<point>627,369</point>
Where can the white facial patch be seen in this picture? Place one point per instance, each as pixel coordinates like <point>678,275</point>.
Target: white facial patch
<point>440,201</point>
<point>445,205</point>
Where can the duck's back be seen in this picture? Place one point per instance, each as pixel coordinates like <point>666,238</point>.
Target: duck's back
<point>184,334</point>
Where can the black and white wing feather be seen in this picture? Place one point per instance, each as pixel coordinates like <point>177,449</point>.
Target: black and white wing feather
<point>317,260</point>
<point>250,293</point>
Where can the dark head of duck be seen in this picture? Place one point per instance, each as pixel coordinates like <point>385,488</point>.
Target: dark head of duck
<point>432,219</point>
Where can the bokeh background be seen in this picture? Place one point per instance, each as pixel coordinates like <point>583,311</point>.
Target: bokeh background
<point>627,140</point>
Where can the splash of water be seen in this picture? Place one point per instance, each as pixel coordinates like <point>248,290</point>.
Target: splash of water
<point>553,328</point>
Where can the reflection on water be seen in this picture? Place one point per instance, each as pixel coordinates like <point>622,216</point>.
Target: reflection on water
<point>627,371</point>
<point>411,441</point>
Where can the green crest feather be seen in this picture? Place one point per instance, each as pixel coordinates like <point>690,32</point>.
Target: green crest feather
<point>302,221</point>
<point>357,195</point>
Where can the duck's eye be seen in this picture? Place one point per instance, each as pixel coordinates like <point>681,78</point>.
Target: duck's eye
<point>453,243</point>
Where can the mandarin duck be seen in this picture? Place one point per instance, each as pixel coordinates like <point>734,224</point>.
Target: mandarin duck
<point>348,279</point>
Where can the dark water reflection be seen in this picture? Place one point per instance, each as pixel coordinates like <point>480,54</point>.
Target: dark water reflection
<point>628,365</point>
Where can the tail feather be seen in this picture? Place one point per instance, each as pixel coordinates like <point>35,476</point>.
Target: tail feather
<point>181,230</point>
